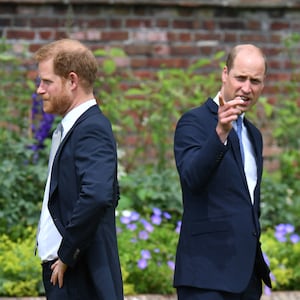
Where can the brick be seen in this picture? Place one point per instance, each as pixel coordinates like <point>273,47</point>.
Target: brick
<point>41,22</point>
<point>231,25</point>
<point>5,22</point>
<point>115,23</point>
<point>20,22</point>
<point>230,38</point>
<point>162,23</point>
<point>144,74</point>
<point>114,36</point>
<point>138,49</point>
<point>139,63</point>
<point>184,50</point>
<point>153,35</point>
<point>183,24</point>
<point>253,25</point>
<point>280,25</point>
<point>59,34</point>
<point>20,34</point>
<point>208,25</point>
<point>137,23</point>
<point>208,36</point>
<point>7,9</point>
<point>168,62</point>
<point>171,33</point>
<point>253,38</point>
<point>92,23</point>
<point>46,34</point>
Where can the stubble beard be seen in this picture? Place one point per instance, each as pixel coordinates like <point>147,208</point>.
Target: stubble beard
<point>58,105</point>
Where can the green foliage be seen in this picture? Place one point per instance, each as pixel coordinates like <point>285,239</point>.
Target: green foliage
<point>20,272</point>
<point>287,136</point>
<point>281,191</point>
<point>21,178</point>
<point>284,258</point>
<point>147,245</point>
<point>144,112</point>
<point>142,190</point>
<point>279,203</point>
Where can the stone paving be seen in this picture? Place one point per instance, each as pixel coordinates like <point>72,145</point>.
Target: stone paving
<point>273,296</point>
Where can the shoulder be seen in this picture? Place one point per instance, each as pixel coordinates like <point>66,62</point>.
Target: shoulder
<point>197,122</point>
<point>202,112</point>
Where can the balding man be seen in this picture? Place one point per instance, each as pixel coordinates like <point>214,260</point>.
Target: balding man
<point>76,237</point>
<point>220,163</point>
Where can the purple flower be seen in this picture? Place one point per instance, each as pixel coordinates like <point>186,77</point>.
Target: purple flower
<point>147,225</point>
<point>41,123</point>
<point>129,216</point>
<point>143,235</point>
<point>267,291</point>
<point>156,219</point>
<point>156,211</point>
<point>171,265</point>
<point>282,230</point>
<point>134,216</point>
<point>142,263</point>
<point>266,258</point>
<point>178,227</point>
<point>131,227</point>
<point>145,254</point>
<point>125,220</point>
<point>280,236</point>
<point>167,215</point>
<point>294,238</point>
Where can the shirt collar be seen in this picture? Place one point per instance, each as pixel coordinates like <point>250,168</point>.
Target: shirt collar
<point>71,117</point>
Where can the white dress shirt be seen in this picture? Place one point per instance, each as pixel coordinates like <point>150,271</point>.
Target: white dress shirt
<point>48,237</point>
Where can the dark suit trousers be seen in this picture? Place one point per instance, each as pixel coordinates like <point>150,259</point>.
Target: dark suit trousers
<point>76,284</point>
<point>253,292</point>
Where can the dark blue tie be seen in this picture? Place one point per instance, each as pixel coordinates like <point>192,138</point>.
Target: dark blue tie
<point>239,123</point>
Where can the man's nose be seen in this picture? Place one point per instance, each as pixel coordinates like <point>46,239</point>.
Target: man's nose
<point>40,90</point>
<point>246,88</point>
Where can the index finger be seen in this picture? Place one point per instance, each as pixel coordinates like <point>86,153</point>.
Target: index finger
<point>60,279</point>
<point>221,100</point>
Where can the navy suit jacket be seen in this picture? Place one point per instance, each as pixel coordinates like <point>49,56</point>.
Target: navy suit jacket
<point>83,196</point>
<point>219,240</point>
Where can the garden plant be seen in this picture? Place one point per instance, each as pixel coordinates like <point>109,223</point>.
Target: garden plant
<point>143,114</point>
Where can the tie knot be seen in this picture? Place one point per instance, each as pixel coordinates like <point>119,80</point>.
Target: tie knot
<point>59,128</point>
<point>57,134</point>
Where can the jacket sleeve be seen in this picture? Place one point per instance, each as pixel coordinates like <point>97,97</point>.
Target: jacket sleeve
<point>197,147</point>
<point>95,182</point>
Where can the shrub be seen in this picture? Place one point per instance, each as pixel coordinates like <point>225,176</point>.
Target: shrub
<point>147,250</point>
<point>22,176</point>
<point>280,203</point>
<point>144,112</point>
<point>282,247</point>
<point>144,189</point>
<point>20,272</point>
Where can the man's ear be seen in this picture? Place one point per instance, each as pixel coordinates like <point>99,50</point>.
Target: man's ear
<point>73,80</point>
<point>224,74</point>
